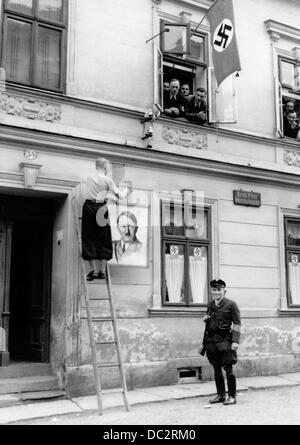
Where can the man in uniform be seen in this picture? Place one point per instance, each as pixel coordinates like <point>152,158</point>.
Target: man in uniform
<point>221,340</point>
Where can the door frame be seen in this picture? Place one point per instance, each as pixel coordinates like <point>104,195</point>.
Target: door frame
<point>65,283</point>
<point>5,263</point>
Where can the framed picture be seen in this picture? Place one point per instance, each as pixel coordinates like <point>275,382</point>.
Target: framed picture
<point>129,229</point>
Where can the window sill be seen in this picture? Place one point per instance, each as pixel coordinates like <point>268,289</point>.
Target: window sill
<point>27,89</point>
<point>184,120</point>
<point>177,312</point>
<point>292,312</point>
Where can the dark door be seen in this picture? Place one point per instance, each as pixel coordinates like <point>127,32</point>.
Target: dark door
<point>31,222</point>
<point>5,254</point>
<point>30,292</point>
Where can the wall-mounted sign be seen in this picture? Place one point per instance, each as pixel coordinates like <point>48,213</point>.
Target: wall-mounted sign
<point>243,198</point>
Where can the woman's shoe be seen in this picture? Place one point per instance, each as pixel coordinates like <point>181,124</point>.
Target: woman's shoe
<point>101,276</point>
<point>90,276</point>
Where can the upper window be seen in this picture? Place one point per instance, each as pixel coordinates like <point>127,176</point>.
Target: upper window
<point>186,254</point>
<point>186,85</point>
<point>292,247</point>
<point>184,58</point>
<point>289,91</point>
<point>33,44</point>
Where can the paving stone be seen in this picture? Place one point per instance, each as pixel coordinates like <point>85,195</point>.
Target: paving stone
<point>114,398</point>
<point>265,382</point>
<point>9,400</point>
<point>293,377</point>
<point>37,410</point>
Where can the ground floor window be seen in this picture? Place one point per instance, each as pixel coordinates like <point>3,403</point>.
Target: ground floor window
<point>186,254</point>
<point>292,246</point>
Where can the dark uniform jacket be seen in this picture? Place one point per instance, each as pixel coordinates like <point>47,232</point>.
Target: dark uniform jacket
<point>174,102</point>
<point>224,323</point>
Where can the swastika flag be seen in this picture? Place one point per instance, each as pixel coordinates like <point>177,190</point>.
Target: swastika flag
<point>225,52</point>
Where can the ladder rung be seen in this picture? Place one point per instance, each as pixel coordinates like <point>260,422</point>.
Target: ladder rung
<point>112,342</point>
<point>108,365</point>
<point>102,319</point>
<point>99,299</point>
<point>113,391</point>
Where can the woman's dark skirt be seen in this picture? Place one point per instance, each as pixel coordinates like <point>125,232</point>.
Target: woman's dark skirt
<point>96,239</point>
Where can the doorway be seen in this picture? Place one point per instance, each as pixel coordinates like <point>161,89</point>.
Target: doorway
<point>28,290</point>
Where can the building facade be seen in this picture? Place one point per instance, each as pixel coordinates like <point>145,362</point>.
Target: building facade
<point>215,200</point>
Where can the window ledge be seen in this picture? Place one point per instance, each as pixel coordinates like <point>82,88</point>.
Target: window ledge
<point>293,312</point>
<point>177,312</point>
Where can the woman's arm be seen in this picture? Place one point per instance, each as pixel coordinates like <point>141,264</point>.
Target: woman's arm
<point>120,194</point>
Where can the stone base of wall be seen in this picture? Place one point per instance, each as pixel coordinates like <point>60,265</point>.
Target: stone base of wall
<point>80,381</point>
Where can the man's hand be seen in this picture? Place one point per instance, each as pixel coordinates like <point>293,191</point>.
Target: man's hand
<point>234,346</point>
<point>205,318</point>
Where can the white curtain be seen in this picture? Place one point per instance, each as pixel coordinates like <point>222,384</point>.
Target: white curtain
<point>174,276</point>
<point>294,278</point>
<point>198,278</point>
<point>48,57</point>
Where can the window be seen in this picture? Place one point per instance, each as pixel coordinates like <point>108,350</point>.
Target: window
<point>289,97</point>
<point>186,254</point>
<point>292,247</point>
<point>183,54</point>
<point>34,35</point>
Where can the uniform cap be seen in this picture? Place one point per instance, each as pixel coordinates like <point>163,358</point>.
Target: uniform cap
<point>217,283</point>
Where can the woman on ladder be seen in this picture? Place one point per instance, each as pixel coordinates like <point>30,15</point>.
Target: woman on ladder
<point>96,232</point>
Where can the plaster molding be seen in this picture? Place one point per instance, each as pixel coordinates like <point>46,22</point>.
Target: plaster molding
<point>160,14</point>
<point>43,184</point>
<point>199,4</point>
<point>18,138</point>
<point>29,108</point>
<point>291,158</point>
<point>185,138</point>
<point>276,29</point>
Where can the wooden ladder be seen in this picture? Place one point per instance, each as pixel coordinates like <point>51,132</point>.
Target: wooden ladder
<point>98,319</point>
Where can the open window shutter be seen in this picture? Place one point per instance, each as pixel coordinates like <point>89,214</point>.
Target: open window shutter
<point>278,107</point>
<point>158,77</point>
<point>297,76</point>
<point>222,100</point>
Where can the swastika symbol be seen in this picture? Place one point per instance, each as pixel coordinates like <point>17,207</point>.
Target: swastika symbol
<point>197,251</point>
<point>174,250</point>
<point>223,35</point>
<point>294,258</point>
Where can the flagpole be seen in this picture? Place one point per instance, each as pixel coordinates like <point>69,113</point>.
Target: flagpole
<point>204,17</point>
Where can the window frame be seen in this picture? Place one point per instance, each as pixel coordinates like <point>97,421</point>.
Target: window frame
<point>185,61</point>
<point>292,62</point>
<point>288,250</point>
<point>186,242</point>
<point>216,113</point>
<point>164,24</point>
<point>284,92</point>
<point>37,21</point>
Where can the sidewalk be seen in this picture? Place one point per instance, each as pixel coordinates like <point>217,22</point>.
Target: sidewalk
<point>113,398</point>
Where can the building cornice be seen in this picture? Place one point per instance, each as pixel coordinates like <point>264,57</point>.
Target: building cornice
<point>58,99</point>
<point>281,30</point>
<point>199,4</point>
<point>70,146</point>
